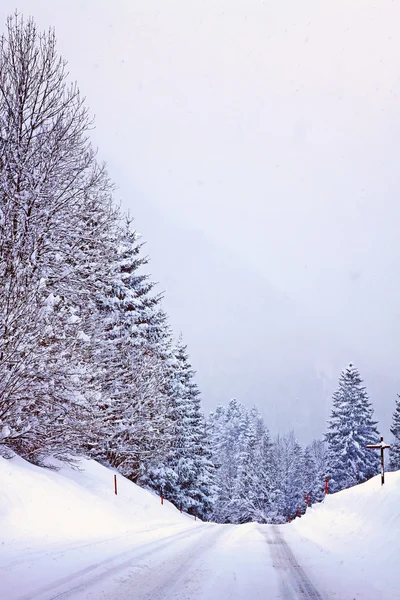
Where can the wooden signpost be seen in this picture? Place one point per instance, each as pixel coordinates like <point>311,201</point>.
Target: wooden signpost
<point>382,446</point>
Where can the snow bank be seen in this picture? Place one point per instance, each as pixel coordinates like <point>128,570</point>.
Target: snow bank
<point>43,507</point>
<point>360,528</point>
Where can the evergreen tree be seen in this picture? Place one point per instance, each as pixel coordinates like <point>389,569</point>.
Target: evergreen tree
<point>311,476</point>
<point>315,470</point>
<point>350,428</point>
<point>242,455</point>
<point>395,430</point>
<point>187,473</point>
<point>132,403</point>
<point>253,489</point>
<point>229,426</point>
<point>289,475</point>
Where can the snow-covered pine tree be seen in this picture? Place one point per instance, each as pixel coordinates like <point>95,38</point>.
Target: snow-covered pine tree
<point>289,475</point>
<point>227,430</point>
<point>241,506</point>
<point>311,483</point>
<point>130,343</point>
<point>350,428</point>
<point>295,486</point>
<point>253,494</point>
<point>395,430</point>
<point>215,428</point>
<point>188,471</point>
<point>242,453</point>
<point>315,470</point>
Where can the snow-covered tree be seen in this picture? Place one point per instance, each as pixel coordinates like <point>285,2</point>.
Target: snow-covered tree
<point>289,475</point>
<point>350,428</point>
<point>49,180</point>
<point>228,429</point>
<point>187,474</point>
<point>395,430</point>
<point>253,494</point>
<point>130,368</point>
<point>242,455</point>
<point>315,470</point>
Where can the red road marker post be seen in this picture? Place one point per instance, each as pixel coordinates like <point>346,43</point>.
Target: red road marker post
<point>326,490</point>
<point>162,499</point>
<point>115,485</point>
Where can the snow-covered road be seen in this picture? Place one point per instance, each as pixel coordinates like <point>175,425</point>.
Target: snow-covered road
<point>196,563</point>
<point>66,535</point>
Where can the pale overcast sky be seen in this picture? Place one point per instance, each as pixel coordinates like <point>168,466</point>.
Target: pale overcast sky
<point>257,146</point>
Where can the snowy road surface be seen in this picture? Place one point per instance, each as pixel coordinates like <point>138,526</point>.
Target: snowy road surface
<point>294,583</point>
<point>199,562</point>
<point>203,562</point>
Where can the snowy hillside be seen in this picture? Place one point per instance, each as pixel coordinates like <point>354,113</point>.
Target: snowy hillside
<point>47,516</point>
<point>42,505</point>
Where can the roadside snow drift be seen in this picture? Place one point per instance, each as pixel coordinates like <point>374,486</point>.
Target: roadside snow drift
<point>358,530</point>
<point>58,528</point>
<point>39,505</point>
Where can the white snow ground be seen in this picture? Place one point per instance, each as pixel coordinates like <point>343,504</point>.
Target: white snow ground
<point>65,535</point>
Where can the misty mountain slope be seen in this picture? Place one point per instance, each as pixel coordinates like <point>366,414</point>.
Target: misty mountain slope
<point>245,337</point>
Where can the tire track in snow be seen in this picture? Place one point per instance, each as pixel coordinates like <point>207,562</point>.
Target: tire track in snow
<point>59,550</point>
<point>295,584</point>
<point>49,592</point>
<point>178,573</point>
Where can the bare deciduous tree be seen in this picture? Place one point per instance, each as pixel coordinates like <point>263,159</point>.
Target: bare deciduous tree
<point>55,207</point>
